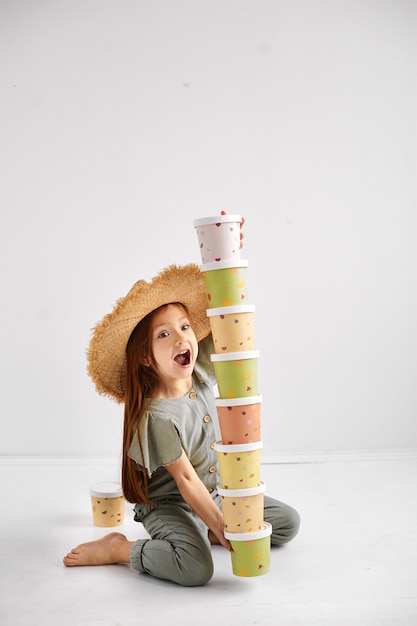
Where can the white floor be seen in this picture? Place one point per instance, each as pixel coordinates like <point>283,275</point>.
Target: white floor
<point>354,561</point>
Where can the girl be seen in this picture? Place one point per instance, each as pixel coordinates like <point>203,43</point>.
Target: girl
<point>153,353</point>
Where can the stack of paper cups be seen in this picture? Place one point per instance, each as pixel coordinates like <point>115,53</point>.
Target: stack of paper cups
<point>235,362</point>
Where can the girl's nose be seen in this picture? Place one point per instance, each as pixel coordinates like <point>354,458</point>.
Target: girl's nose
<point>180,337</point>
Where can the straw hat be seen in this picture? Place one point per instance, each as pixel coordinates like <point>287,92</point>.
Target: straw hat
<point>107,351</point>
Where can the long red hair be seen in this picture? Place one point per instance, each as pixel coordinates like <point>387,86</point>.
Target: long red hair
<point>142,382</point>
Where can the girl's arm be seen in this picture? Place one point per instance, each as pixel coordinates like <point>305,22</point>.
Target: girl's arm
<point>197,497</point>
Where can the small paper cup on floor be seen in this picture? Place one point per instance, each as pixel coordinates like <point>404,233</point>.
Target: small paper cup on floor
<point>108,504</point>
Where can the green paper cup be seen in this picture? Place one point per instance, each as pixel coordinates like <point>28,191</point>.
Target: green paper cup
<point>108,504</point>
<point>236,373</point>
<point>219,237</point>
<point>225,283</point>
<point>239,465</point>
<point>232,328</point>
<point>239,419</point>
<point>251,554</point>
<point>243,509</point>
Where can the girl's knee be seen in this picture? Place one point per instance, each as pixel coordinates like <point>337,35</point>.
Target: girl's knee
<point>194,566</point>
<point>284,519</point>
<point>293,524</point>
<point>195,576</point>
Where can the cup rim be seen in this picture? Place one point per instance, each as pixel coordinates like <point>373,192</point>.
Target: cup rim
<point>217,219</point>
<point>241,493</point>
<point>237,447</point>
<point>106,489</point>
<point>260,534</point>
<point>238,401</point>
<point>231,310</point>
<point>235,356</point>
<point>224,265</point>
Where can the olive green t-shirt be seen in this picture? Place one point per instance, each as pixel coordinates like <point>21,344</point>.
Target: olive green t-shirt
<point>188,423</point>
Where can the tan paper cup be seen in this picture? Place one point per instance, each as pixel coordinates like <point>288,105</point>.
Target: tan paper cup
<point>108,504</point>
<point>251,554</point>
<point>236,373</point>
<point>239,465</point>
<point>243,509</point>
<point>239,419</point>
<point>219,237</point>
<point>232,328</point>
<point>225,283</point>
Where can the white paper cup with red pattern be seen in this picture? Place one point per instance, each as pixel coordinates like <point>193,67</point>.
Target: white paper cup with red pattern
<point>219,237</point>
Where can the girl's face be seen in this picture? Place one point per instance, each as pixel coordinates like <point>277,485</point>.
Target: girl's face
<point>174,346</point>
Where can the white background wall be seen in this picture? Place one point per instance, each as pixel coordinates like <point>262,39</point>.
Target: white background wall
<point>123,121</point>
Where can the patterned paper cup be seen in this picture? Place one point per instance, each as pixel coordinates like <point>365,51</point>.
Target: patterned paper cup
<point>243,509</point>
<point>225,283</point>
<point>219,237</point>
<point>239,419</point>
<point>236,373</point>
<point>251,554</point>
<point>239,465</point>
<point>232,328</point>
<point>108,504</point>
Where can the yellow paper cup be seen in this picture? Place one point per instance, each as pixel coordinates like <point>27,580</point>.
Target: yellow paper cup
<point>232,328</point>
<point>236,373</point>
<point>251,554</point>
<point>243,509</point>
<point>219,237</point>
<point>239,419</point>
<point>225,283</point>
<point>108,504</point>
<point>239,465</point>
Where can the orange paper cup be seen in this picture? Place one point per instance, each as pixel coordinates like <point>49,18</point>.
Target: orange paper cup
<point>239,419</point>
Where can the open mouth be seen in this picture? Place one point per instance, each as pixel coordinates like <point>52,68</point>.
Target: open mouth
<point>183,358</point>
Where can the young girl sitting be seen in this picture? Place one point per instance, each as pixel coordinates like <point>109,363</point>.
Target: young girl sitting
<point>152,352</point>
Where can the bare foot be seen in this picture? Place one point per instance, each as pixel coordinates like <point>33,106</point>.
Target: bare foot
<point>112,548</point>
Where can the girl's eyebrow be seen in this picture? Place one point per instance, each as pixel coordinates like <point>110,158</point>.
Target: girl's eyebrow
<point>164,324</point>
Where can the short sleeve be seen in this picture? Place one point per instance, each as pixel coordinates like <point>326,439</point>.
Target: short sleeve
<point>161,444</point>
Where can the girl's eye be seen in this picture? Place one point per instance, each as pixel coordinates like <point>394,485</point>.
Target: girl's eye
<point>163,334</point>
<point>185,327</point>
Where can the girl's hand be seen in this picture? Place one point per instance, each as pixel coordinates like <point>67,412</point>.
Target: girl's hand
<point>197,497</point>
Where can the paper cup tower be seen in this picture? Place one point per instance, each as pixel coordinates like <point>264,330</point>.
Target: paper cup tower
<point>235,361</point>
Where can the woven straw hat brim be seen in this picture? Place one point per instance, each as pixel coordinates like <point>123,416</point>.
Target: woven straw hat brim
<point>106,354</point>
